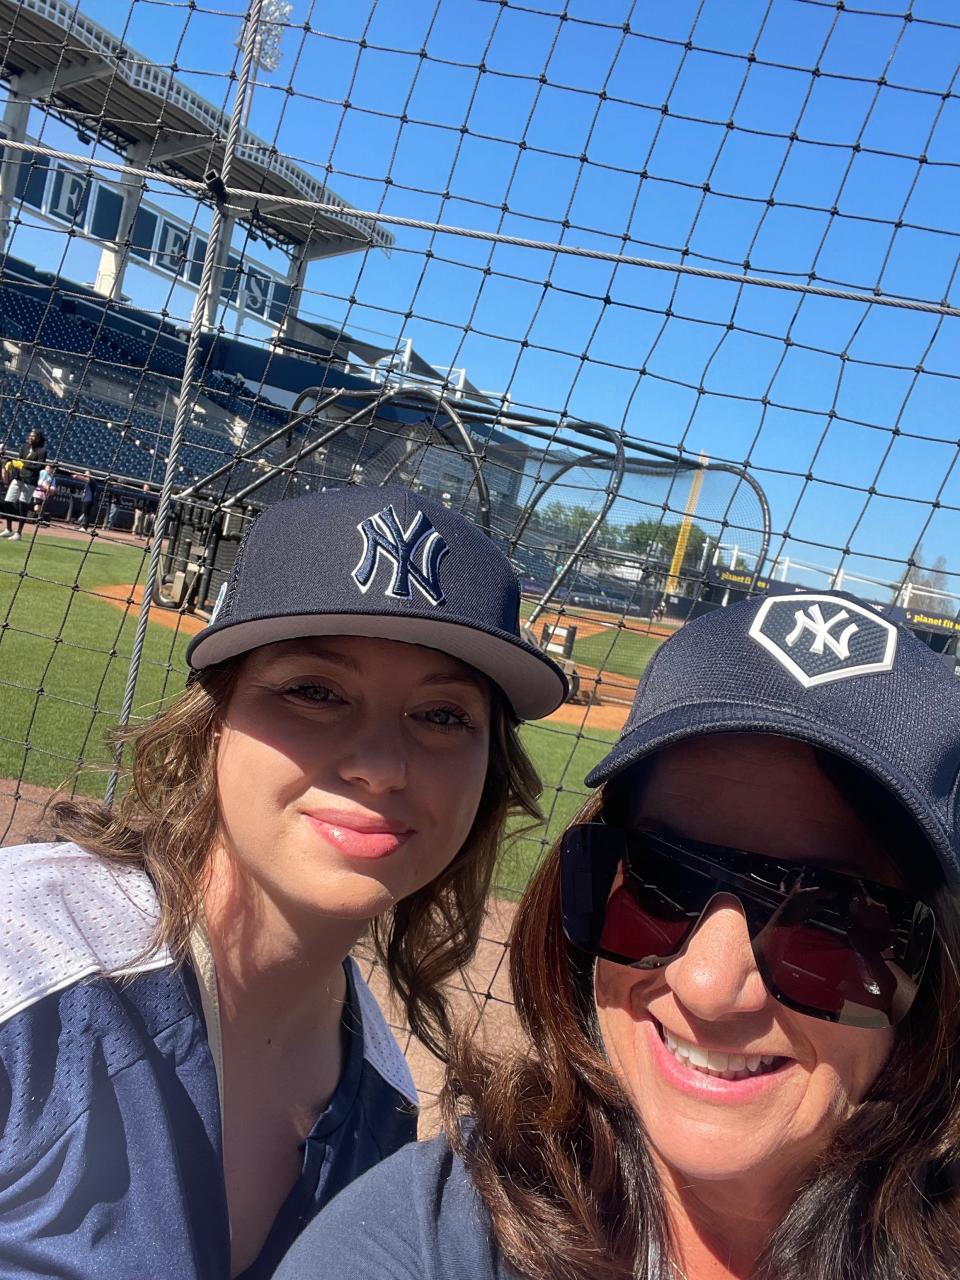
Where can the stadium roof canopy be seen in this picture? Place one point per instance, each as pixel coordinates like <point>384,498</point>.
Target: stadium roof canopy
<point>103,86</point>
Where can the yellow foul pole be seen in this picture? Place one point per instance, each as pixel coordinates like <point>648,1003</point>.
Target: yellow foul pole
<point>683,536</point>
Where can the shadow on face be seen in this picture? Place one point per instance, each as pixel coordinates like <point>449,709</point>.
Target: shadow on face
<point>767,795</point>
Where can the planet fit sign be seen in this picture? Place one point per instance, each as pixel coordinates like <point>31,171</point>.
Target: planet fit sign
<point>158,240</point>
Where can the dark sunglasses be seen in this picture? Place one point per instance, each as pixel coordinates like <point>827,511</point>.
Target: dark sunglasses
<point>829,945</point>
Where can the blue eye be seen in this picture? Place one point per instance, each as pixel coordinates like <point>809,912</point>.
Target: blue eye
<point>316,693</point>
<point>447,718</point>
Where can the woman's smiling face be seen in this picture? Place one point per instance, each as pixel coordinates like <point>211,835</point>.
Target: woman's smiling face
<point>350,770</point>
<point>765,795</point>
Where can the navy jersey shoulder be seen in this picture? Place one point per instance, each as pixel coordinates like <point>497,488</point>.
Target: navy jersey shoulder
<point>110,1142</point>
<point>416,1216</point>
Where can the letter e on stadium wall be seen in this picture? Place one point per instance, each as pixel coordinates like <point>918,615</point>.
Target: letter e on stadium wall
<point>159,241</point>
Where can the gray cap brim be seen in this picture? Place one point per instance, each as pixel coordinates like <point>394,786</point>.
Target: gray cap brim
<point>534,685</point>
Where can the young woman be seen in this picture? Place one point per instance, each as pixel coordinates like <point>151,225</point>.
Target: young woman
<point>46,486</point>
<point>190,1066</point>
<point>739,977</point>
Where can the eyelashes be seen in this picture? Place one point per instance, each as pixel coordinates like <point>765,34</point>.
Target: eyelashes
<point>319,693</point>
<point>446,716</point>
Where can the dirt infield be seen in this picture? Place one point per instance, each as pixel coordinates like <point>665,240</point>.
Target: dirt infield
<point>131,597</point>
<point>609,716</point>
<point>590,622</point>
<point>21,811</point>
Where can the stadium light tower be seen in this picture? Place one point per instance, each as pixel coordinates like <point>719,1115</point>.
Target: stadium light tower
<point>273,17</point>
<point>266,41</point>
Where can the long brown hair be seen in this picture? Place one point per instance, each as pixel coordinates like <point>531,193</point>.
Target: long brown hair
<point>556,1152</point>
<point>168,818</point>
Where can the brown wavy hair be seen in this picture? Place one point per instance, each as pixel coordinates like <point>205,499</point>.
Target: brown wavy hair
<point>168,817</point>
<point>555,1149</point>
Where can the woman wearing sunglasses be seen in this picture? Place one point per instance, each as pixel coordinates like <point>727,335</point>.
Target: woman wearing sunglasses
<point>738,974</point>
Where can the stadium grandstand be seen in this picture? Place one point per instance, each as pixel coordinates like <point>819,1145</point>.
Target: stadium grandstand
<point>103,378</point>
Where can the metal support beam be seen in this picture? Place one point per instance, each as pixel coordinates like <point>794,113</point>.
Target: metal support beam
<point>15,117</point>
<point>306,449</point>
<point>454,431</point>
<point>114,257</point>
<point>295,278</point>
<point>213,299</point>
<point>47,84</point>
<point>295,420</point>
<point>542,488</point>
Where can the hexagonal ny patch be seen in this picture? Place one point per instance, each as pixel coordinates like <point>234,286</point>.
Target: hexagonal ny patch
<point>820,638</point>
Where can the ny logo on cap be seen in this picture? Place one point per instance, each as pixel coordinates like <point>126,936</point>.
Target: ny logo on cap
<point>820,638</point>
<point>414,555</point>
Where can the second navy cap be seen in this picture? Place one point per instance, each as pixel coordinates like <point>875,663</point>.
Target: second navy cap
<point>821,667</point>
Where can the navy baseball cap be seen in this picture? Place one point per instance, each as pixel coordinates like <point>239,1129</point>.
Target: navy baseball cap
<point>382,562</point>
<point>826,669</point>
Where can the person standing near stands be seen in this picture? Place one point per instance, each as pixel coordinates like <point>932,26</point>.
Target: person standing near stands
<point>24,472</point>
<point>191,1065</point>
<point>46,487</point>
<point>141,528</point>
<point>88,501</point>
<point>114,510</point>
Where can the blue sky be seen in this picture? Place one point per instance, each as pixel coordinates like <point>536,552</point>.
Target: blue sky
<point>805,174</point>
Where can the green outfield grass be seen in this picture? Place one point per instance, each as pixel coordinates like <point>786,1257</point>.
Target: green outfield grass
<point>617,649</point>
<point>56,637</point>
<point>563,757</point>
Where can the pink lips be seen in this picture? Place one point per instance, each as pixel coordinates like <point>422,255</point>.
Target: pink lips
<point>697,1084</point>
<point>358,835</point>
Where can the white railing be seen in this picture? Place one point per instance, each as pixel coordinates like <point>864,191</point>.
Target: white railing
<point>908,595</point>
<point>148,77</point>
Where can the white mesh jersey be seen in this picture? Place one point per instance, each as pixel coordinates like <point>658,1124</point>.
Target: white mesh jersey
<point>110,1143</point>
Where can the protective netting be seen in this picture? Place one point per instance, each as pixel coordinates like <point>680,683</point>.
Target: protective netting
<point>665,296</point>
